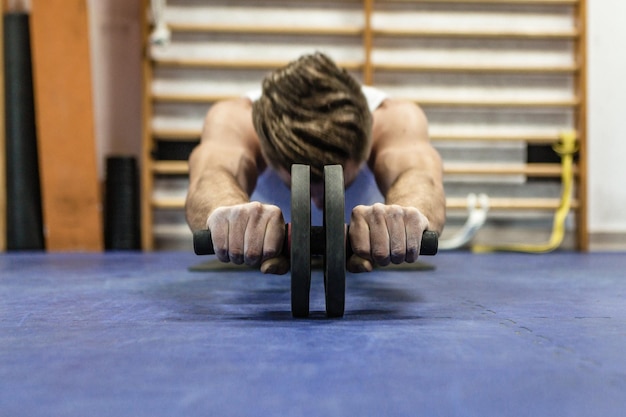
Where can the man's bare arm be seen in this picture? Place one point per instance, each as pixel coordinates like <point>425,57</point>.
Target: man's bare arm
<point>409,174</point>
<point>224,167</point>
<point>223,170</point>
<point>408,169</point>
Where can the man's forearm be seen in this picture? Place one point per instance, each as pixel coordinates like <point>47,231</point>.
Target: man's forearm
<point>407,167</point>
<point>224,167</point>
<point>419,189</point>
<point>215,188</point>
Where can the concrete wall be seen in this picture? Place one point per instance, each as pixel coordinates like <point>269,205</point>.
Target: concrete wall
<point>607,121</point>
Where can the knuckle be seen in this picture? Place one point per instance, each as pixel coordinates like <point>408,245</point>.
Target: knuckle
<point>358,211</point>
<point>236,256</point>
<point>378,208</point>
<point>397,258</point>
<point>411,255</point>
<point>252,257</point>
<point>270,253</point>
<point>222,255</point>
<point>395,212</point>
<point>381,257</point>
<point>253,208</point>
<point>273,210</point>
<point>361,252</point>
<point>398,246</point>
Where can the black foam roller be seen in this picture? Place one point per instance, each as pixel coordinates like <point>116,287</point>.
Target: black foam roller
<point>24,214</point>
<point>121,217</point>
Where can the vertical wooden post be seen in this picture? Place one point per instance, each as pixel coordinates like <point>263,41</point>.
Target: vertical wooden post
<point>581,122</point>
<point>3,183</point>
<point>71,197</point>
<point>147,235</point>
<point>368,71</point>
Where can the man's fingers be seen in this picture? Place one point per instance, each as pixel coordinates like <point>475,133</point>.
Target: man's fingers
<point>247,233</point>
<point>236,235</point>
<point>379,235</point>
<point>386,234</point>
<point>219,234</point>
<point>416,224</point>
<point>359,234</point>
<point>397,234</point>
<point>274,236</point>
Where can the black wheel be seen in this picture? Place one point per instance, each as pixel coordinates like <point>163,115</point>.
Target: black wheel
<point>334,227</point>
<point>300,240</point>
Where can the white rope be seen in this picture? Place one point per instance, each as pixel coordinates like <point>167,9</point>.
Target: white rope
<point>161,34</point>
<point>476,219</point>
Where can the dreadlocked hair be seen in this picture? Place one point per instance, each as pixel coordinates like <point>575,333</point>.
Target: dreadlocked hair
<point>312,112</point>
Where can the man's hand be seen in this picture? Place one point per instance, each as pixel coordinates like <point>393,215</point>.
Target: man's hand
<point>383,234</point>
<point>250,233</point>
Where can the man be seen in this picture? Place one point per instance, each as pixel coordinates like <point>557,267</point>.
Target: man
<point>312,112</point>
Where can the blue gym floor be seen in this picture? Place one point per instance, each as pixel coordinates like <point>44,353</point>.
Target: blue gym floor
<point>132,334</point>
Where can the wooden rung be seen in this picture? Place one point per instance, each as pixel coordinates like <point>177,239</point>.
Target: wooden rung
<point>356,31</point>
<point>530,170</point>
<point>358,65</point>
<point>177,134</point>
<point>505,69</point>
<point>537,138</point>
<point>480,34</point>
<point>452,203</point>
<point>503,203</point>
<point>170,167</point>
<point>212,98</point>
<point>544,139</point>
<point>567,103</point>
<point>191,98</point>
<point>168,203</point>
<point>529,2</point>
<point>205,63</point>
<point>237,64</point>
<point>265,30</point>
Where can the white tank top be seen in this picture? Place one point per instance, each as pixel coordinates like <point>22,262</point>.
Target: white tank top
<point>270,189</point>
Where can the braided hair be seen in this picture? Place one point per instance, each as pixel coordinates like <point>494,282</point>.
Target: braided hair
<point>312,112</point>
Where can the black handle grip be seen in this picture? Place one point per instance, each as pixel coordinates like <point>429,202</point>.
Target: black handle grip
<point>203,244</point>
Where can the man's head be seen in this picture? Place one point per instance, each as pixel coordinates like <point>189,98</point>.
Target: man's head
<point>313,112</point>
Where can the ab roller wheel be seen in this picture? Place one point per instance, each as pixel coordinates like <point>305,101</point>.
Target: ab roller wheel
<point>303,240</point>
<point>299,236</point>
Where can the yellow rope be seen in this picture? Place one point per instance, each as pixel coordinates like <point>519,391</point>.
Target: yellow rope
<point>566,148</point>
